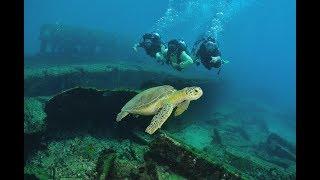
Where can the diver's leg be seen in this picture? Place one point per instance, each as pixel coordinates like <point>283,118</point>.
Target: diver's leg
<point>186,60</point>
<point>135,47</point>
<point>164,50</point>
<point>160,58</point>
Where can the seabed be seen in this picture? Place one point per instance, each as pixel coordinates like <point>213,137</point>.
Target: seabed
<point>70,130</point>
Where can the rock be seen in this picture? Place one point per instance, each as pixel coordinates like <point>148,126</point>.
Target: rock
<point>34,125</point>
<point>128,169</point>
<point>241,131</point>
<point>141,137</point>
<point>276,139</point>
<point>280,154</point>
<point>216,138</point>
<point>30,177</point>
<point>277,146</point>
<point>164,173</point>
<point>89,110</point>
<point>186,161</point>
<point>32,143</point>
<point>51,80</point>
<point>124,168</point>
<point>34,115</point>
<point>72,158</point>
<point>104,164</point>
<point>148,171</point>
<point>254,167</point>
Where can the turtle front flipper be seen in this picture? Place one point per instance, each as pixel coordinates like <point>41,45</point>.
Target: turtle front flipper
<point>159,118</point>
<point>181,108</point>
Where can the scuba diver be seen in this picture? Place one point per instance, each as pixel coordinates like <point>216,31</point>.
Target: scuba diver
<point>177,55</point>
<point>153,46</point>
<point>206,49</point>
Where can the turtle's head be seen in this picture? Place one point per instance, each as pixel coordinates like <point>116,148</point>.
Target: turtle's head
<point>193,93</point>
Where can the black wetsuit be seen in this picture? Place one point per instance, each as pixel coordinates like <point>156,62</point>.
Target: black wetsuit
<point>175,48</point>
<point>208,49</point>
<point>151,43</point>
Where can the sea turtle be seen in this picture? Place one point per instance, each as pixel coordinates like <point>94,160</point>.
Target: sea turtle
<point>160,101</point>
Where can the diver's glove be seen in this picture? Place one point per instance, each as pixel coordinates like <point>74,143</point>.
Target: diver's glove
<point>218,58</point>
<point>215,59</point>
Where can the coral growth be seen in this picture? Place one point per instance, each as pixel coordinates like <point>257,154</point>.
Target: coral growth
<point>34,115</point>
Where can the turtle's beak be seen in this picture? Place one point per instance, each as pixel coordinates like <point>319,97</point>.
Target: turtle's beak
<point>197,93</point>
<point>200,92</point>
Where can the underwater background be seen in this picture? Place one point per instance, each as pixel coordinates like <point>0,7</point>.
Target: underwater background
<point>245,123</point>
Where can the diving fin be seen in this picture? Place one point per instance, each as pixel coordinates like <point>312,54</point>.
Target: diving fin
<point>219,71</point>
<point>225,61</point>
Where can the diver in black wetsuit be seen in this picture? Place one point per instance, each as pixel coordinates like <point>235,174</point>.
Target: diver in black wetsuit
<point>206,50</point>
<point>177,55</point>
<point>152,44</point>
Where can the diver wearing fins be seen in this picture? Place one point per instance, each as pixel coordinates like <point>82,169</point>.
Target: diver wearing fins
<point>177,55</point>
<point>153,46</point>
<point>206,50</point>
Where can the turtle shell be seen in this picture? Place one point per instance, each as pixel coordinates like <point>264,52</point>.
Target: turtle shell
<point>147,97</point>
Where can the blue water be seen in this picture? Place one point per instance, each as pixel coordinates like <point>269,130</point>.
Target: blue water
<point>257,37</point>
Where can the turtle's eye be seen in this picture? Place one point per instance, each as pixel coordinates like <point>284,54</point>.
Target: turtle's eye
<point>196,90</point>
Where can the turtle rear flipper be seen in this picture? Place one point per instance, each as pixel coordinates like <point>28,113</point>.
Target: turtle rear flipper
<point>121,115</point>
<point>159,118</point>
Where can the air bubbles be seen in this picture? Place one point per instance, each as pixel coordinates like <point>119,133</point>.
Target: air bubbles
<point>219,13</point>
<point>199,14</point>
